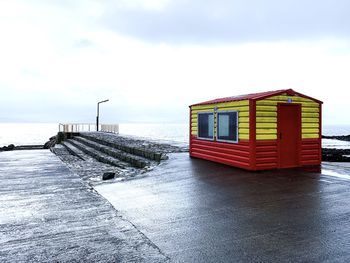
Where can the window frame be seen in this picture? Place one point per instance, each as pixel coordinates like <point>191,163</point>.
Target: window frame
<point>217,126</point>
<point>204,138</point>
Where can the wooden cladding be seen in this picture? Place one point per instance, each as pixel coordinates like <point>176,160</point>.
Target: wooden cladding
<point>266,117</point>
<point>226,153</point>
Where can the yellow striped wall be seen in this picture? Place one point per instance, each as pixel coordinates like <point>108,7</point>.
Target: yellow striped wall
<point>266,117</point>
<point>243,114</point>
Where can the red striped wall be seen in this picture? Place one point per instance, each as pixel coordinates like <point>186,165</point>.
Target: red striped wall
<point>266,154</point>
<point>311,153</point>
<point>235,154</point>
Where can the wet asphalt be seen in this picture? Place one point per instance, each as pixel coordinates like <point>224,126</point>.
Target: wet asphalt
<point>198,211</point>
<point>48,214</point>
<point>185,210</point>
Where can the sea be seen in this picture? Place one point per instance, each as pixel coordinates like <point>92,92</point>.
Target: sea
<point>39,133</point>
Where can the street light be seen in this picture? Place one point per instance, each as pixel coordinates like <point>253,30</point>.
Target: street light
<point>98,112</point>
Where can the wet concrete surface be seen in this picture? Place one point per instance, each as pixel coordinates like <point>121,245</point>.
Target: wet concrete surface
<point>48,214</point>
<point>199,211</point>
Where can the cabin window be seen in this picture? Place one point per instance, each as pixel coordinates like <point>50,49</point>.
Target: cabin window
<point>206,126</point>
<point>227,126</point>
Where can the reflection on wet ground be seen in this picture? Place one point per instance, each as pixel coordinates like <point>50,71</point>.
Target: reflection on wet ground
<point>337,170</point>
<point>199,211</point>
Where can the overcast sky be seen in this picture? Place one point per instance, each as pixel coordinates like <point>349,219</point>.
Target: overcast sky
<point>153,58</point>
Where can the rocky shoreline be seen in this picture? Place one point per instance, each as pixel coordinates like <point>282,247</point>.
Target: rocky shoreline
<point>340,138</point>
<point>12,147</point>
<point>335,155</point>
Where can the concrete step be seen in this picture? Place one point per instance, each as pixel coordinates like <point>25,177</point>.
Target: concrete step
<point>88,168</point>
<point>136,161</point>
<point>151,155</point>
<point>99,156</point>
<point>75,151</point>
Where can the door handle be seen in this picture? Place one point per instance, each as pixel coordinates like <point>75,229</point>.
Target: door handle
<point>280,135</point>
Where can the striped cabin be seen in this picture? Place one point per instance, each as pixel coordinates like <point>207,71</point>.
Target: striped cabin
<point>268,130</point>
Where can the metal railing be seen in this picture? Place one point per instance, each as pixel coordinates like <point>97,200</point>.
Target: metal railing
<point>87,127</point>
<point>113,128</point>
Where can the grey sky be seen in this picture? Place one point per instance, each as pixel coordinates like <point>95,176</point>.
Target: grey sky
<point>153,58</point>
<point>184,21</point>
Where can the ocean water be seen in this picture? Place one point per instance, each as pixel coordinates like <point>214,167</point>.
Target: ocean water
<point>336,130</point>
<point>165,132</point>
<point>39,133</point>
<point>26,133</point>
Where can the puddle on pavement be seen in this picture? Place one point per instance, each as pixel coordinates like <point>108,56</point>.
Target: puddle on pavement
<point>335,174</point>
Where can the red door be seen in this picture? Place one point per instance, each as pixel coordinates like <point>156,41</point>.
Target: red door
<point>289,134</point>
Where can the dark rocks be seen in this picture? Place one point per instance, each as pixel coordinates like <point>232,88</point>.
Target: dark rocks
<point>60,137</point>
<point>108,176</point>
<point>10,147</point>
<point>335,155</point>
<point>57,139</point>
<point>51,143</point>
<point>341,137</point>
<point>47,145</point>
<point>30,147</point>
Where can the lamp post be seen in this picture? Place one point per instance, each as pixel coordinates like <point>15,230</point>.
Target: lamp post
<point>98,112</point>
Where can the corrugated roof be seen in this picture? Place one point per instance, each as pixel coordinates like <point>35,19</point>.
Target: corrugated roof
<point>256,96</point>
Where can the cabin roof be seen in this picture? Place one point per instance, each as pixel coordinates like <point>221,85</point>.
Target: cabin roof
<point>257,96</point>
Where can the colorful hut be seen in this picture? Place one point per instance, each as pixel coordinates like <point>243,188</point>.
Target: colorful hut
<point>268,130</point>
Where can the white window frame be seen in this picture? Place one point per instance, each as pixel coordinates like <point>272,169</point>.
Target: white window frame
<point>206,112</point>
<point>217,126</point>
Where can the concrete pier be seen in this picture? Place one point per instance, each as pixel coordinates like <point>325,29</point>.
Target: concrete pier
<point>48,214</point>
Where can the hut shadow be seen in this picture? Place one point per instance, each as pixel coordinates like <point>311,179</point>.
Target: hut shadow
<point>203,169</point>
